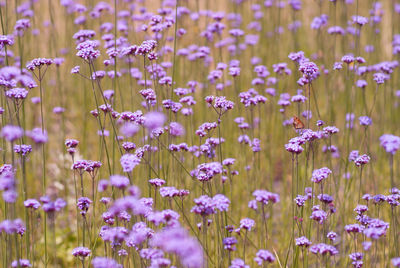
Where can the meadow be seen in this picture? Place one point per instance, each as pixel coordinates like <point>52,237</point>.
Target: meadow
<point>199,133</point>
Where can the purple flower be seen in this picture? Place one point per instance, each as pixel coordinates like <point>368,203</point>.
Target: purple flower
<point>17,93</point>
<point>207,171</point>
<point>323,249</point>
<point>294,145</point>
<point>87,165</point>
<point>360,209</point>
<point>21,263</point>
<point>247,224</point>
<point>365,120</point>
<point>221,202</point>
<point>379,198</point>
<point>309,69</point>
<point>354,228</point>
<point>38,63</point>
<point>118,181</point>
<point>361,83</point>
<point>6,40</point>
<point>83,204</point>
<point>157,182</point>
<point>264,256</point>
<point>238,263</point>
<point>264,197</point>
<point>129,162</point>
<point>320,175</point>
<point>331,236</point>
<point>366,245</point>
<point>396,262</point>
<point>356,256</point>
<point>83,35</point>
<point>87,50</point>
<point>390,143</point>
<point>37,135</point>
<point>353,155</point>
<point>348,59</point>
<point>205,206</point>
<point>168,191</point>
<point>325,198</point>
<point>171,239</point>
<point>22,149</point>
<point>32,203</point>
<point>176,129</point>
<point>362,160</point>
<point>374,233</point>
<point>359,20</point>
<point>71,143</point>
<point>154,120</point>
<point>329,130</point>
<point>81,252</point>
<point>319,215</point>
<point>300,200</point>
<point>379,78</point>
<point>12,133</point>
<point>102,262</point>
<point>303,242</point>
<point>229,243</point>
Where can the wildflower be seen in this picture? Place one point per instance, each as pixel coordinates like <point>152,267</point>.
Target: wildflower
<point>38,63</point>
<point>238,263</point>
<point>23,149</point>
<point>300,200</point>
<point>365,120</point>
<point>83,205</point>
<point>21,263</point>
<point>360,209</point>
<point>102,262</point>
<point>229,243</point>
<point>309,69</point>
<point>205,205</point>
<point>157,182</point>
<point>32,203</point>
<point>324,249</point>
<point>320,175</point>
<point>17,93</point>
<point>396,262</point>
<point>264,256</point>
<point>37,135</point>
<point>81,252</point>
<point>379,78</point>
<point>362,160</point>
<point>118,181</point>
<point>354,228</point>
<point>331,236</point>
<point>129,162</point>
<point>221,202</point>
<point>247,224</point>
<point>319,215</point>
<point>171,240</point>
<point>154,120</point>
<point>390,143</point>
<point>12,133</point>
<point>264,197</point>
<point>359,20</point>
<point>87,50</point>
<point>176,129</point>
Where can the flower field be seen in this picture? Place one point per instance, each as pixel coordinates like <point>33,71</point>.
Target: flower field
<point>198,133</point>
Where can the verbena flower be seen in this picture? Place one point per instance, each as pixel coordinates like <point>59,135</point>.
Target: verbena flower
<point>303,242</point>
<point>81,252</point>
<point>390,143</point>
<point>264,256</point>
<point>12,133</point>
